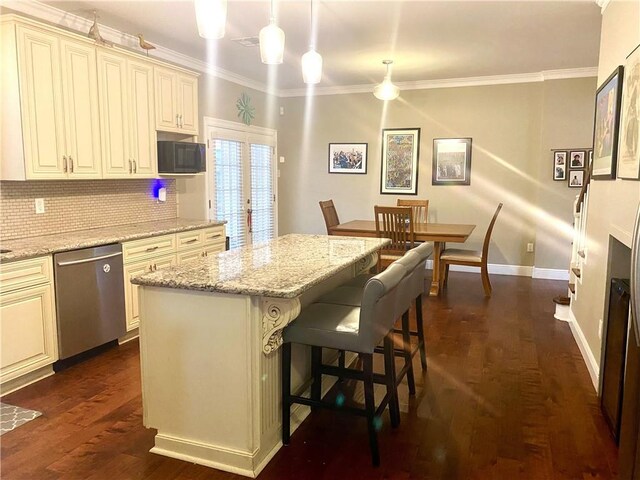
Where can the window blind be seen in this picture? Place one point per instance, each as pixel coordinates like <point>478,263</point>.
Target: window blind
<point>262,200</point>
<point>227,157</point>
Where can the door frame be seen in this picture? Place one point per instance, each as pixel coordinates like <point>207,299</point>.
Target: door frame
<point>245,132</point>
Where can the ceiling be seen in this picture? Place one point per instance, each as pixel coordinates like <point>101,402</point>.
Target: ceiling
<point>428,40</point>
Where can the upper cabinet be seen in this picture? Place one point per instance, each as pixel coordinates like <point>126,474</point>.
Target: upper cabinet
<point>126,116</point>
<point>176,101</point>
<point>73,110</point>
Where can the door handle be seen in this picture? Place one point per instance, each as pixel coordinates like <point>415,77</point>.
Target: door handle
<point>87,260</point>
<point>64,161</point>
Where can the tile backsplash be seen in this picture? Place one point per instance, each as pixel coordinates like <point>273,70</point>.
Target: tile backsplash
<point>76,205</point>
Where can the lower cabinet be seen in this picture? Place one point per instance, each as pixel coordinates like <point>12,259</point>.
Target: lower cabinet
<point>28,335</point>
<point>131,291</point>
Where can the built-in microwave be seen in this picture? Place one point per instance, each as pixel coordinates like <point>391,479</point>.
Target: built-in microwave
<point>181,157</point>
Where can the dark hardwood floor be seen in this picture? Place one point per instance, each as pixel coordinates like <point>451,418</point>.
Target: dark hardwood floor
<point>506,396</point>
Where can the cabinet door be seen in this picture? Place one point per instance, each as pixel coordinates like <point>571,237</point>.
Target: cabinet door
<point>143,130</point>
<point>166,100</point>
<point>27,331</point>
<point>211,250</point>
<point>190,255</point>
<point>114,126</point>
<point>41,103</point>
<point>131,290</point>
<point>82,120</point>
<point>188,104</point>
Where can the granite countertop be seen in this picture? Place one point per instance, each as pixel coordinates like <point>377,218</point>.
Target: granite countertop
<point>48,244</point>
<point>284,267</point>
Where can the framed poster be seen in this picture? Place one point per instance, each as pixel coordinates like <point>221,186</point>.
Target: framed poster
<point>348,158</point>
<point>451,161</point>
<point>576,178</point>
<point>560,165</point>
<point>629,148</point>
<point>606,127</point>
<point>400,150</point>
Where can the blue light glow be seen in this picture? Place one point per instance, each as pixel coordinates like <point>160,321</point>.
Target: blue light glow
<point>156,185</point>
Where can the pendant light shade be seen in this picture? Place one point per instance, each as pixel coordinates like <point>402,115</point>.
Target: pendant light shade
<point>386,90</point>
<point>312,67</point>
<point>271,42</point>
<point>211,16</point>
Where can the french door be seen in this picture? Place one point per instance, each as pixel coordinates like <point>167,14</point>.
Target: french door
<point>242,184</point>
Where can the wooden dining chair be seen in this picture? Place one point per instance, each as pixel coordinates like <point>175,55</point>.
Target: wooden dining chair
<point>396,224</point>
<point>330,215</point>
<point>420,209</point>
<point>471,258</point>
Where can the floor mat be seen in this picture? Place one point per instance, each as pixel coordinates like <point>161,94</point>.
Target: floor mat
<point>12,417</point>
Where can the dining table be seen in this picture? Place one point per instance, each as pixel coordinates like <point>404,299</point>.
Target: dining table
<point>438,233</point>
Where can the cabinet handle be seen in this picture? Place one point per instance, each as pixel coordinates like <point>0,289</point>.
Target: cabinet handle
<point>151,249</point>
<point>193,240</point>
<point>71,164</point>
<point>130,167</point>
<point>151,267</point>
<point>155,267</point>
<point>210,237</point>
<point>181,122</point>
<point>177,120</point>
<point>135,167</point>
<point>64,161</point>
<point>206,254</point>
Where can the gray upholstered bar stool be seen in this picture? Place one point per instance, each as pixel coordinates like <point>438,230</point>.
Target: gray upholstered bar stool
<point>414,260</point>
<point>353,329</point>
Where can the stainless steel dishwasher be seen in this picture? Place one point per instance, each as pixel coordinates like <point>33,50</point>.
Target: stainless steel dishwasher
<point>89,298</point>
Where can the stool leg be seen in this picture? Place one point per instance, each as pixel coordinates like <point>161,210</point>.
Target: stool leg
<point>286,393</point>
<point>406,344</point>
<point>316,386</point>
<point>421,342</point>
<point>370,407</point>
<point>390,376</point>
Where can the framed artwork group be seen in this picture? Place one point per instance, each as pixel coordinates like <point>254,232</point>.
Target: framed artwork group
<point>570,165</point>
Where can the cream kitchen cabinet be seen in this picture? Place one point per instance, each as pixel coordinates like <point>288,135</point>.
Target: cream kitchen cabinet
<point>176,101</point>
<point>131,291</point>
<point>126,116</point>
<point>28,336</point>
<point>50,111</point>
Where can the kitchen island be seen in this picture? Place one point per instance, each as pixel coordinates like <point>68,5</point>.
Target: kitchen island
<point>209,337</point>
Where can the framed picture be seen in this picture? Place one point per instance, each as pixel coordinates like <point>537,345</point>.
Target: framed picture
<point>348,158</point>
<point>576,178</point>
<point>451,161</point>
<point>606,127</point>
<point>629,147</point>
<point>577,158</point>
<point>560,165</point>
<point>400,150</point>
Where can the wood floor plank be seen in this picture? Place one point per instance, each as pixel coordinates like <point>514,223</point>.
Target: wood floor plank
<point>506,396</point>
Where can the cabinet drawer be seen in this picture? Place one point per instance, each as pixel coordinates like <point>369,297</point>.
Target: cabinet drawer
<point>189,240</point>
<point>154,246</point>
<point>190,255</point>
<point>25,273</point>
<point>213,249</point>
<point>213,235</point>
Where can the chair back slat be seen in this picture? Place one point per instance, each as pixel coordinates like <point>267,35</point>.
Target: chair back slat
<point>420,209</point>
<point>330,215</point>
<point>379,306</point>
<point>396,224</point>
<point>487,237</point>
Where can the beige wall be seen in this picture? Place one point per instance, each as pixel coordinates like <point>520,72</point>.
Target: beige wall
<point>612,204</point>
<point>512,126</point>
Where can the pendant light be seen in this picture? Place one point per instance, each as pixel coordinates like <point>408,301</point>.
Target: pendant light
<point>271,42</point>
<point>386,90</point>
<point>311,61</point>
<point>211,16</point>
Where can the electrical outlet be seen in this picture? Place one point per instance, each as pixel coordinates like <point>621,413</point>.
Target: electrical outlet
<point>600,329</point>
<point>39,205</point>
<point>281,159</point>
<point>529,247</point>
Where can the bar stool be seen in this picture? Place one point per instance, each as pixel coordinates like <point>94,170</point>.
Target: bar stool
<point>354,329</point>
<point>414,261</point>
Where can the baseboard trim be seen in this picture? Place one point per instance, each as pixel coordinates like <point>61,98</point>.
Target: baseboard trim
<point>550,273</point>
<point>494,268</point>
<point>587,354</point>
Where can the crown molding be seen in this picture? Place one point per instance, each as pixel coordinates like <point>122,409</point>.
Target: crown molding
<point>78,24</point>
<point>451,82</point>
<point>603,4</point>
